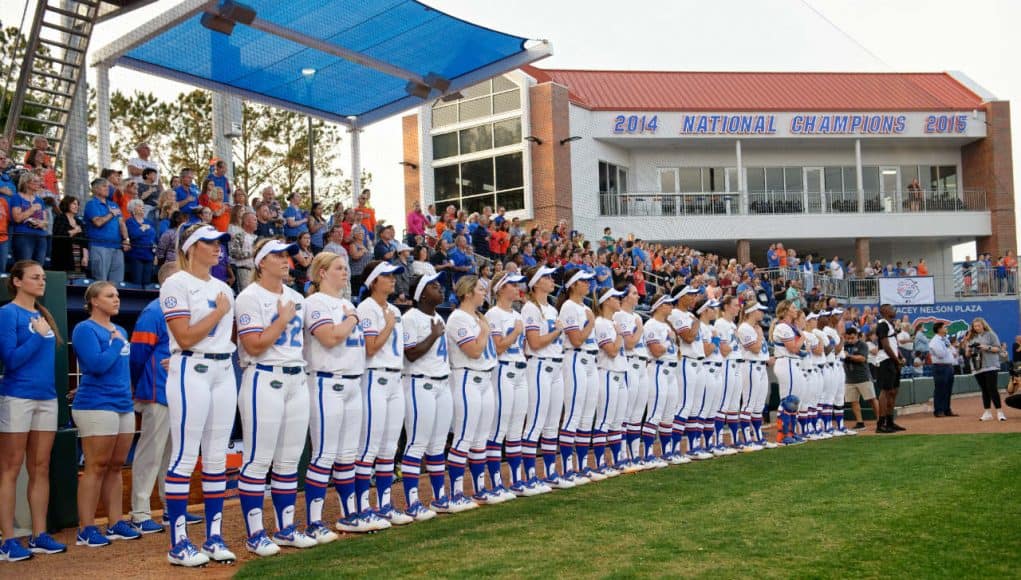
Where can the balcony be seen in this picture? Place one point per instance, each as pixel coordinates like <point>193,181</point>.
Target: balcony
<point>781,203</point>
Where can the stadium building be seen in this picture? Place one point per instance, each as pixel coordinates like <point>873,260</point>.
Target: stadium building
<point>730,161</point>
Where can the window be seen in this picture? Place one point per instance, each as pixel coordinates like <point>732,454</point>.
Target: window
<point>833,178</point>
<point>447,184</point>
<point>668,180</point>
<point>851,179</point>
<point>774,179</point>
<point>491,97</point>
<point>870,180</point>
<point>508,172</point>
<point>473,185</point>
<point>476,139</point>
<point>612,178</point>
<point>507,133</point>
<point>756,179</point>
<point>793,179</point>
<point>691,179</point>
<point>947,178</point>
<point>445,145</point>
<point>908,173</point>
<point>477,177</point>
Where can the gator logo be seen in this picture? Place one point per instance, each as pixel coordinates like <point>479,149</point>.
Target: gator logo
<point>477,379</point>
<point>908,290</point>
<point>428,386</point>
<point>338,387</point>
<point>276,384</point>
<point>201,368</point>
<point>954,328</point>
<point>382,380</point>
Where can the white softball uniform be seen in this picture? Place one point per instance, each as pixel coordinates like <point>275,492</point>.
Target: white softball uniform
<point>754,376</point>
<point>474,400</point>
<point>713,394</point>
<point>788,367</point>
<point>273,401</point>
<point>626,324</point>
<point>726,330</point>
<point>691,387</point>
<point>611,404</point>
<point>511,385</point>
<point>836,390</point>
<point>545,381</point>
<point>580,381</point>
<point>335,396</point>
<point>201,392</point>
<point>662,377</point>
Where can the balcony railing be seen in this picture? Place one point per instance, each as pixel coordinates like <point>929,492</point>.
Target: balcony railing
<point>771,203</point>
<point>984,283</point>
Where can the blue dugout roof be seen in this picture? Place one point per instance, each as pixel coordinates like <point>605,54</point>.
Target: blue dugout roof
<point>346,61</point>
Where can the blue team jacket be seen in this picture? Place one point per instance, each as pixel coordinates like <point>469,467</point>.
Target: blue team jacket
<point>150,344</point>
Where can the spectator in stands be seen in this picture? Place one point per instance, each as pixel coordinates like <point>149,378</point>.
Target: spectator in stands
<point>39,158</point>
<point>267,227</point>
<point>1010,265</point>
<point>462,258</point>
<point>416,223</point>
<point>269,197</point>
<point>360,255</point>
<point>905,341</point>
<point>317,227</point>
<point>166,248</point>
<point>187,192</point>
<point>420,266</point>
<point>28,215</point>
<point>836,268</point>
<point>944,358</point>
<point>794,294</point>
<point>70,244</point>
<point>138,261</point>
<point>366,215</point>
<point>138,164</point>
<point>242,250</point>
<point>302,260</point>
<point>206,191</point>
<point>6,193</point>
<point>241,199</point>
<point>910,270</point>
<point>148,189</point>
<point>219,177</point>
<point>220,213</point>
<point>402,279</point>
<point>295,218</point>
<point>499,240</point>
<point>125,193</point>
<point>335,243</point>
<point>386,247</point>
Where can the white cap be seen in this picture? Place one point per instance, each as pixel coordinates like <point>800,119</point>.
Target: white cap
<point>579,275</point>
<point>383,269</point>
<point>542,271</point>
<point>425,281</point>
<point>508,279</point>
<point>611,293</point>
<point>836,311</point>
<point>205,234</point>
<point>666,299</point>
<point>402,247</point>
<point>686,291</point>
<point>812,316</point>
<point>753,307</point>
<point>708,304</point>
<point>823,313</point>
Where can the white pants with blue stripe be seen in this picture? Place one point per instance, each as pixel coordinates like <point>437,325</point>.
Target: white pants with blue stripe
<point>580,392</point>
<point>382,416</point>
<point>692,388</point>
<point>789,377</point>
<point>510,392</point>
<point>545,399</point>
<point>637,390</point>
<point>713,398</point>
<point>336,421</point>
<point>474,403</point>
<point>611,403</point>
<point>839,380</point>
<point>201,399</point>
<point>731,402</point>
<point>662,391</point>
<point>754,383</point>
<point>428,414</point>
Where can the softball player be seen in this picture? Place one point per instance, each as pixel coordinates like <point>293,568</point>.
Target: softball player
<point>730,402</point>
<point>472,357</point>
<point>273,399</point>
<point>335,353</point>
<point>712,379</point>
<point>814,365</point>
<point>824,420</point>
<point>102,412</point>
<point>201,389</point>
<point>545,353</point>
<point>611,404</point>
<point>835,332</point>
<point>580,382</point>
<point>754,379</point>
<point>511,388</point>
<point>28,407</point>
<point>382,396</point>
<point>691,384</point>
<point>659,340</point>
<point>788,371</point>
<point>429,407</point>
<point>629,325</point>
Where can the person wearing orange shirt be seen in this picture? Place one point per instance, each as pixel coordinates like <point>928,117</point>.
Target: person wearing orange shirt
<point>221,216</point>
<point>923,268</point>
<point>368,215</point>
<point>499,240</point>
<point>781,254</point>
<point>39,158</point>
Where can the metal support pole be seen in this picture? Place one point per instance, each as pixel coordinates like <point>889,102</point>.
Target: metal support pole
<point>103,114</point>
<point>859,173</point>
<point>356,163</point>
<point>740,179</point>
<point>311,162</point>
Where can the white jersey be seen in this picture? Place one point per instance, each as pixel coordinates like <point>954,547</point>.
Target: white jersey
<point>463,328</point>
<point>575,317</point>
<point>627,324</point>
<point>657,332</point>
<point>707,334</point>
<point>184,295</point>
<point>783,332</point>
<point>256,310</point>
<point>606,333</point>
<point>814,338</point>
<point>747,336</point>
<point>501,323</point>
<point>544,321</point>
<point>373,319</point>
<point>681,320</point>
<point>834,338</point>
<point>727,331</point>
<point>346,358</point>
<point>417,327</point>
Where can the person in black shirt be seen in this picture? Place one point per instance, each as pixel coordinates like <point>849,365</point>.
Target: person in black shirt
<point>442,263</point>
<point>858,381</point>
<point>267,228</point>
<point>888,377</point>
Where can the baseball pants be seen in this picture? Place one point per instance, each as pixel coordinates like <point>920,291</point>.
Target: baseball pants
<point>580,394</point>
<point>335,423</point>
<point>729,414</point>
<point>382,419</point>
<point>754,381</point>
<point>511,398</point>
<point>474,404</point>
<point>429,411</point>
<point>637,398</point>
<point>610,406</point>
<point>542,417</point>
<point>663,390</point>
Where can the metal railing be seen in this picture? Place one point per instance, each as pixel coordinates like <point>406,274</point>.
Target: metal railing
<point>781,202</point>
<point>978,283</point>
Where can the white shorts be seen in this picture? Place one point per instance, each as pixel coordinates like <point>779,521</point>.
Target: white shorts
<point>19,415</point>
<point>102,423</point>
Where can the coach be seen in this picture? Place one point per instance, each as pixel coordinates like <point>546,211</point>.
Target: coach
<point>943,361</point>
<point>890,363</point>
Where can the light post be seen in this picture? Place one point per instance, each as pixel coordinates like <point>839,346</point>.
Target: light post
<point>308,73</point>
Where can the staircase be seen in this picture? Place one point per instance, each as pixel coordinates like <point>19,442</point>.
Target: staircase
<point>51,68</point>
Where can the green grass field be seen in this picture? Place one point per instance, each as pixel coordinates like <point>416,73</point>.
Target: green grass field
<point>896,507</point>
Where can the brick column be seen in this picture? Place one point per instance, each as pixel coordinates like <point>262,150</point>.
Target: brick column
<point>551,161</point>
<point>861,253</point>
<point>986,165</point>
<point>744,252</point>
<point>412,184</point>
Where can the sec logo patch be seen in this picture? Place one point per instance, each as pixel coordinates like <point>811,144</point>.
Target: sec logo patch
<point>316,315</point>
<point>462,332</point>
<point>170,302</point>
<point>245,319</point>
<point>366,323</point>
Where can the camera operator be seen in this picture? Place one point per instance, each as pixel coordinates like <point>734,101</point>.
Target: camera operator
<point>982,348</point>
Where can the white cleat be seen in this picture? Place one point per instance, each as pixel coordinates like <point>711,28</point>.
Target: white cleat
<point>596,476</point>
<point>353,525</point>
<point>260,545</point>
<point>611,472</point>
<point>395,516</point>
<point>216,550</point>
<point>185,554</point>
<point>291,537</point>
<point>320,533</point>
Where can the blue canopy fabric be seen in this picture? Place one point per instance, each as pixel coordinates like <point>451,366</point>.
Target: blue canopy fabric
<point>268,68</point>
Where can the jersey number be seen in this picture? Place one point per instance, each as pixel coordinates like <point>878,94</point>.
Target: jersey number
<point>441,348</point>
<point>551,326</point>
<point>291,336</point>
<point>490,350</point>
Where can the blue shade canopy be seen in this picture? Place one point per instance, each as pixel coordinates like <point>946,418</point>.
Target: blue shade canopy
<point>302,72</point>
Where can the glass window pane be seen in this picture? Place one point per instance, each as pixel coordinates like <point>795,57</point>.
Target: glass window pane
<point>793,179</point>
<point>446,180</point>
<point>622,180</point>
<point>509,101</point>
<point>907,173</point>
<point>927,177</point>
<point>833,178</point>
<point>503,84</point>
<point>691,179</point>
<point>756,179</point>
<point>948,178</point>
<point>477,203</point>
<point>511,199</point>
<point>478,90</point>
<point>443,116</point>
<point>444,145</point>
<point>477,177</point>
<point>509,172</point>
<point>717,179</point>
<point>602,177</point>
<point>611,178</point>
<point>475,108</point>
<point>850,179</point>
<point>732,184</point>
<point>870,180</point>
<point>774,179</point>
<point>507,132</point>
<point>667,181</point>
<point>476,139</point>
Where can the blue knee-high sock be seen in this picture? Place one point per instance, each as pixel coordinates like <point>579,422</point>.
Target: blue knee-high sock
<point>456,460</point>
<point>734,426</point>
<point>177,505</point>
<point>493,460</point>
<point>749,435</point>
<point>693,432</point>
<point>630,437</point>
<point>477,467</point>
<point>317,480</point>
<point>528,459</point>
<point>666,442</point>
<point>549,456</point>
<point>363,483</point>
<point>344,483</point>
<point>649,440</point>
<point>214,489</point>
<point>718,431</point>
<point>616,442</point>
<point>757,428</point>
<point>677,434</point>
<point>284,490</point>
<point>838,417</point>
<point>599,448</point>
<point>827,417</point>
<point>411,469</point>
<point>582,441</point>
<point>513,451</point>
<point>566,449</point>
<point>384,481</point>
<point>435,465</point>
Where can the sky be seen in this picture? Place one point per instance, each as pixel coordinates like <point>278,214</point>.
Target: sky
<point>974,37</point>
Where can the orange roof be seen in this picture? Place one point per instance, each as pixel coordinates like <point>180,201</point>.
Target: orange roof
<point>760,91</point>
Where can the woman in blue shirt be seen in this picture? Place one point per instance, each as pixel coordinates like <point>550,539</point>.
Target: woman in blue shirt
<point>295,218</point>
<point>28,407</point>
<point>104,413</point>
<point>28,217</point>
<point>139,259</point>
